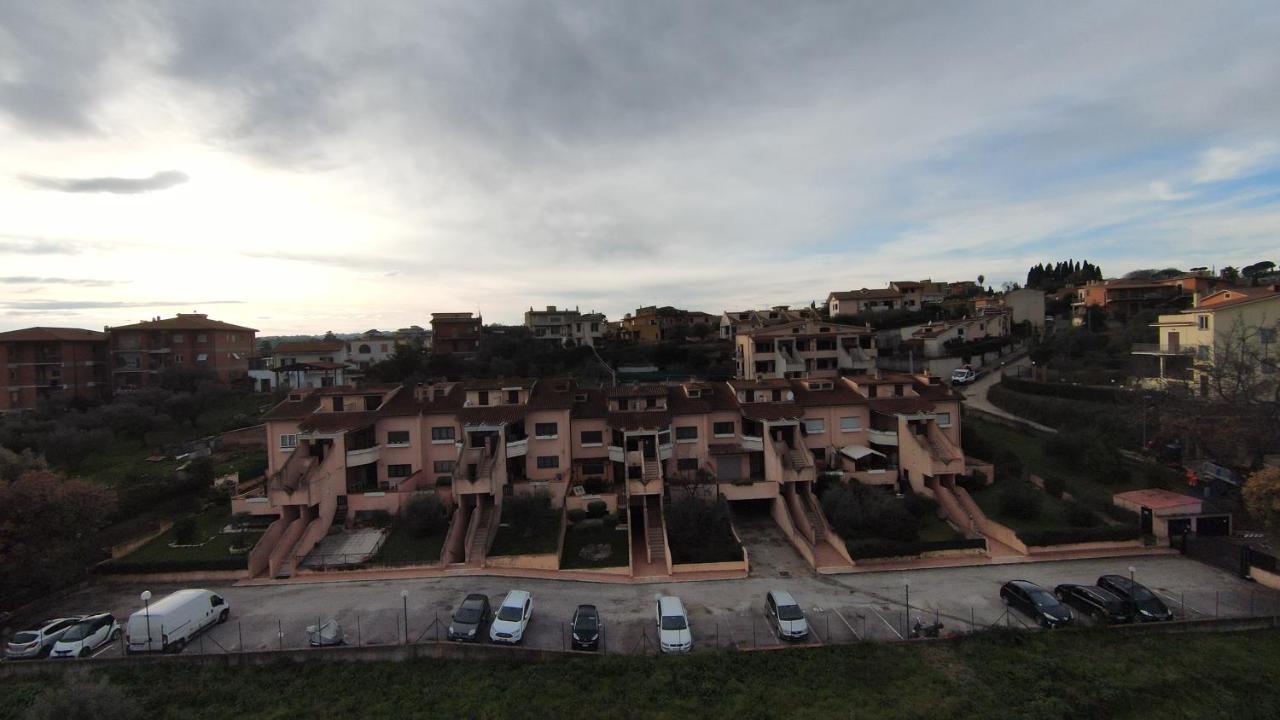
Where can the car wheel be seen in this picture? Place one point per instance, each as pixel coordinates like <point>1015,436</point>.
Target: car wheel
<point>1044,623</point>
<point>180,645</point>
<point>1005,599</point>
<point>222,617</point>
<point>84,652</point>
<point>115,634</point>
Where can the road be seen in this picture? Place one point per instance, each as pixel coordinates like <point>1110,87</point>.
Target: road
<point>975,395</point>
<point>723,614</point>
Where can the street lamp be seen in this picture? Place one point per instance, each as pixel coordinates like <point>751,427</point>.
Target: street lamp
<point>404,597</point>
<point>146,609</point>
<point>1131,571</point>
<point>906,585</point>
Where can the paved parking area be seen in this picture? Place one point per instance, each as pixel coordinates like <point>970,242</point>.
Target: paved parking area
<point>723,614</point>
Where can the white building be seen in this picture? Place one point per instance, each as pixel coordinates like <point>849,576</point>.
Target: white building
<point>569,327</point>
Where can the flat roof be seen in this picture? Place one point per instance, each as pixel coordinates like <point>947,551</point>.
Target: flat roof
<point>1158,499</point>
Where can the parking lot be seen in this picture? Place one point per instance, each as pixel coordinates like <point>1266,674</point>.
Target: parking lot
<point>723,614</point>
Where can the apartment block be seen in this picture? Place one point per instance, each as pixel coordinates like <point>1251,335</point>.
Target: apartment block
<point>339,453</point>
<point>142,350</point>
<point>733,322</point>
<point>804,348</point>
<point>47,363</point>
<point>456,332</point>
<point>858,302</point>
<point>1121,299</point>
<point>568,327</point>
<point>310,363</point>
<point>918,293</point>
<point>654,324</point>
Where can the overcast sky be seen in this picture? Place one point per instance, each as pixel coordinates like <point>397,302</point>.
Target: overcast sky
<point>300,167</point>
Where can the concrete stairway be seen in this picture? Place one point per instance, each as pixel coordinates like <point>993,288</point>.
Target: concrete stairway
<point>652,471</point>
<point>480,539</point>
<point>654,538</point>
<point>819,530</point>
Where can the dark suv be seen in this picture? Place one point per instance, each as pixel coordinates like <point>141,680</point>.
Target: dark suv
<point>1099,604</point>
<point>469,619</point>
<point>1146,606</point>
<point>585,628</point>
<point>1036,602</point>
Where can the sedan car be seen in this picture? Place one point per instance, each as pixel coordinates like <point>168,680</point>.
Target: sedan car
<point>674,635</point>
<point>86,636</point>
<point>785,615</point>
<point>512,618</point>
<point>1146,606</point>
<point>1036,602</point>
<point>585,628</point>
<point>469,619</point>
<point>1102,606</point>
<point>38,641</point>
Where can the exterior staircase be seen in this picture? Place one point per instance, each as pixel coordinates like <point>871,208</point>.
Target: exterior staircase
<point>819,530</point>
<point>652,471</point>
<point>654,538</point>
<point>797,459</point>
<point>479,543</point>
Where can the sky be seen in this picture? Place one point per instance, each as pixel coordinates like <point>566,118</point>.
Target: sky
<point>307,166</point>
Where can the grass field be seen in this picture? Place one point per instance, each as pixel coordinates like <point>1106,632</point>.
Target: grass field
<point>1045,676</point>
<point>577,537</point>
<point>402,548</point>
<point>1029,447</point>
<point>216,546</point>
<point>1053,511</point>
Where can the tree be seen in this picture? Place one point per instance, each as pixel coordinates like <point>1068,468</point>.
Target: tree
<point>13,465</point>
<point>425,516</point>
<point>1262,498</point>
<point>1230,274</point>
<point>982,279</point>
<point>700,330</point>
<point>68,447</point>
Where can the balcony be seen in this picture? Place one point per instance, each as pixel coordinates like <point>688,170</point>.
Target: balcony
<point>883,437</point>
<point>1156,349</point>
<point>518,448</point>
<point>364,456</point>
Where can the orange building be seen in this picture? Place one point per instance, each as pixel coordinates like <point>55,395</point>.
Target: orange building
<point>190,340</point>
<point>52,363</point>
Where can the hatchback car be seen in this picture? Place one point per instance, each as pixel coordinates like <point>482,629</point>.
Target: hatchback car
<point>512,618</point>
<point>470,617</point>
<point>38,641</point>
<point>86,636</point>
<point>1146,606</point>
<point>785,614</point>
<point>674,635</point>
<point>1102,606</point>
<point>1036,602</point>
<point>585,628</point>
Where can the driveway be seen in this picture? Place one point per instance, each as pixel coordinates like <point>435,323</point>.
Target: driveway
<point>768,550</point>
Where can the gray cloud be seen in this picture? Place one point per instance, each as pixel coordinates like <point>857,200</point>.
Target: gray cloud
<point>29,305</point>
<point>26,245</point>
<point>33,280</point>
<point>116,185</point>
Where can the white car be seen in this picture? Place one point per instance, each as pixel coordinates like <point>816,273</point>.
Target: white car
<point>673,625</point>
<point>785,614</point>
<point>37,642</point>
<point>86,636</point>
<point>963,375</point>
<point>512,618</point>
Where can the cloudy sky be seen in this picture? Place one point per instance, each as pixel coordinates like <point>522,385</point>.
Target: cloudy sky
<point>305,166</point>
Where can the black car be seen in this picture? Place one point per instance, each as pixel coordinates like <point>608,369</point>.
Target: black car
<point>470,618</point>
<point>585,628</point>
<point>1099,604</point>
<point>1036,602</point>
<point>1146,606</point>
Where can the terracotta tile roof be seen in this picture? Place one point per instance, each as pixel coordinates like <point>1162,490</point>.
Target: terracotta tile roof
<point>1234,297</point>
<point>640,420</point>
<point>52,334</point>
<point>306,347</point>
<point>807,328</point>
<point>865,294</point>
<point>492,415</point>
<point>761,384</point>
<point>356,389</point>
<point>771,411</point>
<point>1158,499</point>
<point>296,410</point>
<point>637,390</point>
<point>335,422</point>
<point>839,394</point>
<point>185,321</point>
<point>897,405</point>
<point>498,383</point>
<point>596,405</point>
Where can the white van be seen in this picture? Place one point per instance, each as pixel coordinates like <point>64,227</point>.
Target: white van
<point>169,623</point>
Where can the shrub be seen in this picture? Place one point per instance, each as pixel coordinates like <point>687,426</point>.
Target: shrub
<point>610,522</point>
<point>380,518</point>
<point>529,515</point>
<point>125,566</point>
<point>1067,447</point>
<point>1119,423</point>
<point>1104,464</point>
<point>1104,533</point>
<point>184,531</point>
<point>1080,516</point>
<point>972,482</point>
<point>1020,500</point>
<point>920,506</point>
<point>577,515</point>
<point>856,511</point>
<point>865,549</point>
<point>1115,512</point>
<point>1083,393</point>
<point>699,530</point>
<point>597,509</point>
<point>1158,476</point>
<point>1055,486</point>
<point>425,516</point>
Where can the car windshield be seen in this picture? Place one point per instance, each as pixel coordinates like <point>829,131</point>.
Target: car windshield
<point>1043,599</point>
<point>25,637</point>
<point>510,614</point>
<point>586,621</point>
<point>790,612</point>
<point>469,614</point>
<point>79,631</point>
<point>673,622</point>
<point>1141,594</point>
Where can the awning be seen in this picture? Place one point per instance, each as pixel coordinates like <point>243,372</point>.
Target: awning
<point>857,452</point>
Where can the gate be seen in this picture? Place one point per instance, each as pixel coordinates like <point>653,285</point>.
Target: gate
<point>1216,551</point>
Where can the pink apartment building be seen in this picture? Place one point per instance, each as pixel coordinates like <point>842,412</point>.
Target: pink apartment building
<point>336,453</point>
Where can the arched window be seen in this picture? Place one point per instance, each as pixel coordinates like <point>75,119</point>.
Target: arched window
<point>364,350</point>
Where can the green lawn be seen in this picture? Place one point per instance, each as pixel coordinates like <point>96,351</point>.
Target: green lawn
<point>933,529</point>
<point>545,540</point>
<point>993,676</point>
<point>1053,511</point>
<point>216,547</point>
<point>402,548</point>
<point>579,536</point>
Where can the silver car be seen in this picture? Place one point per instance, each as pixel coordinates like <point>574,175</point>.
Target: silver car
<point>35,643</point>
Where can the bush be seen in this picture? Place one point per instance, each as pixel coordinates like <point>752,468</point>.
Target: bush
<point>577,515</point>
<point>529,515</point>
<point>865,549</point>
<point>597,509</point>
<point>1119,514</point>
<point>856,511</point>
<point>972,482</point>
<point>425,516</point>
<point>1105,533</point>
<point>699,531</point>
<point>1118,423</point>
<point>1083,393</point>
<point>1081,517</point>
<point>1020,500</point>
<point>1054,486</point>
<point>610,522</point>
<point>125,566</point>
<point>1159,476</point>
<point>184,531</point>
<point>920,506</point>
<point>1069,448</point>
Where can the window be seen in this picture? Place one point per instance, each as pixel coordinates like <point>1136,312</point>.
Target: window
<point>338,403</point>
<point>398,437</point>
<point>813,426</point>
<point>288,441</point>
<point>687,433</point>
<point>442,434</point>
<point>444,467</point>
<point>513,397</point>
<point>592,438</point>
<point>943,419</point>
<point>1202,322</point>
<point>545,430</point>
<point>177,337</point>
<point>399,471</point>
<point>363,350</point>
<point>593,467</point>
<point>819,454</point>
<point>687,464</point>
<point>776,396</point>
<point>897,390</point>
<point>202,338</point>
<point>482,397</point>
<point>850,424</point>
<point>548,461</point>
<point>723,429</point>
<point>177,358</point>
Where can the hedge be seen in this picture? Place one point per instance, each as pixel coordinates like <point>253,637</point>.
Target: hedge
<point>132,567</point>
<point>1067,536</point>
<point>1083,393</point>
<point>864,549</point>
<point>1117,423</point>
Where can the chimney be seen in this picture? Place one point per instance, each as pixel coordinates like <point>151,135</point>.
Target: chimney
<point>1195,299</point>
<point>551,308</point>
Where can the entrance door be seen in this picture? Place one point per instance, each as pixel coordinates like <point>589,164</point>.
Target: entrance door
<point>1174,341</point>
<point>1146,521</point>
<point>650,447</point>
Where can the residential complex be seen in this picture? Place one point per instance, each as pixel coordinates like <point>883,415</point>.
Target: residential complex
<point>337,454</point>
<point>858,302</point>
<point>1230,331</point>
<point>568,327</point>
<point>190,340</point>
<point>52,363</point>
<point>733,322</point>
<point>456,332</point>
<point>654,324</point>
<point>803,348</point>
<point>1121,299</point>
<point>308,363</point>
<point>918,293</point>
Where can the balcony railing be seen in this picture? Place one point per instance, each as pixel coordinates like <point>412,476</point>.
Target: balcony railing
<point>1157,349</point>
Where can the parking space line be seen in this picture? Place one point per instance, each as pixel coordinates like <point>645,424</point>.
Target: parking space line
<point>846,623</point>
<point>1181,603</point>
<point>104,648</point>
<point>886,622</point>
